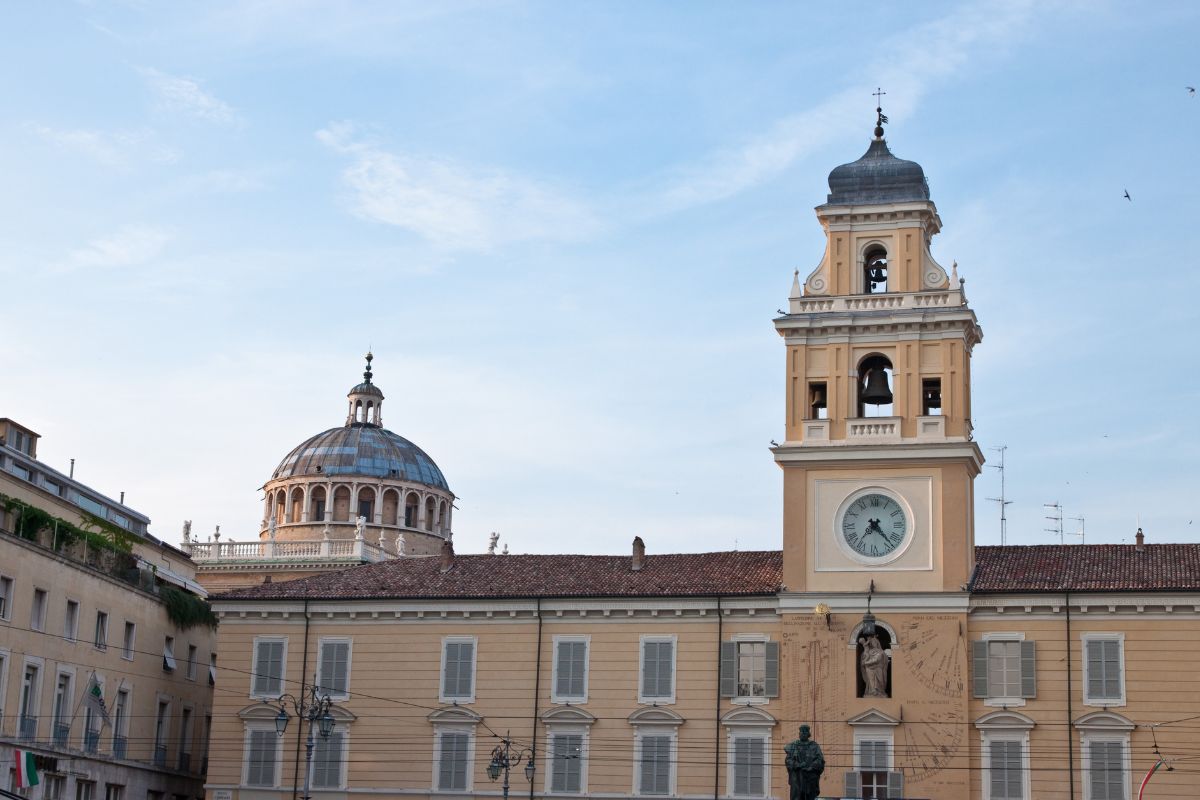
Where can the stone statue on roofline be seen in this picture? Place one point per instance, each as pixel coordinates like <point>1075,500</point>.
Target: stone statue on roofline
<point>360,527</point>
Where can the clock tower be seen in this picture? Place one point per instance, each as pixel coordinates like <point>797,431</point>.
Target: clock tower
<point>878,461</point>
<point>878,470</point>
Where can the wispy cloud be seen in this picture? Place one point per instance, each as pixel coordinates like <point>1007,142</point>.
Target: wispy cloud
<point>933,52</point>
<point>189,97</point>
<point>111,148</point>
<point>453,205</point>
<point>130,246</point>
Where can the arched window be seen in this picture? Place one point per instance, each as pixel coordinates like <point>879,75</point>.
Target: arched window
<point>412,505</point>
<point>341,504</point>
<point>366,505</point>
<point>317,511</point>
<point>430,511</point>
<point>391,502</point>
<point>296,507</point>
<point>875,387</point>
<point>875,271</point>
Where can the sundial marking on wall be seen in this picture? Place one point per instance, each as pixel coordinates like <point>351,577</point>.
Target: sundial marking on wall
<point>931,743</point>
<point>935,658</point>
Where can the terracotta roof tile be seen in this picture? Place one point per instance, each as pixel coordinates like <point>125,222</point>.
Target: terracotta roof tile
<point>1087,568</point>
<point>486,576</point>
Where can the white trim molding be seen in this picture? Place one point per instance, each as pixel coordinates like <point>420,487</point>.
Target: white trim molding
<point>1004,726</point>
<point>558,639</point>
<point>1085,639</point>
<point>657,700</point>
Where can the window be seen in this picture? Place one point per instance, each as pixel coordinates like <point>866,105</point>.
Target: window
<point>185,740</point>
<point>1005,669</point>
<point>3,682</point>
<point>566,763</point>
<point>1104,673</point>
<point>458,669</point>
<point>54,787</point>
<point>262,756</point>
<point>333,667</point>
<point>655,763</point>
<point>318,509</point>
<point>85,790</point>
<point>1105,766</point>
<point>657,684</point>
<point>750,669</point>
<point>6,592</point>
<point>113,791</point>
<point>818,400</point>
<point>748,766</point>
<point>570,669</point>
<point>120,724</point>
<point>1006,767</point>
<point>100,639</point>
<point>162,722</point>
<point>30,686</point>
<point>212,669</point>
<point>328,758</point>
<point>62,709</point>
<point>128,642</point>
<point>169,654</point>
<point>454,752</point>
<point>37,614</point>
<point>71,622</point>
<point>872,778</point>
<point>365,509</point>
<point>191,662</point>
<point>931,397</point>
<point>269,656</point>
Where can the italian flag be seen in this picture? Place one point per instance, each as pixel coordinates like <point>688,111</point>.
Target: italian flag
<point>27,774</point>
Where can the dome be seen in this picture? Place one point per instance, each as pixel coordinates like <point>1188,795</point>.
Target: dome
<point>877,177</point>
<point>360,450</point>
<point>366,388</point>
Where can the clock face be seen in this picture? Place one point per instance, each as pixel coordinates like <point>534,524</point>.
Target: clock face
<point>874,525</point>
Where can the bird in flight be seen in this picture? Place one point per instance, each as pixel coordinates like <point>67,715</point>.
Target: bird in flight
<point>1127,197</point>
<point>1191,90</point>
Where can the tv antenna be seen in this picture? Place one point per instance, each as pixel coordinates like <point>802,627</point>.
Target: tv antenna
<point>1080,533</point>
<point>1002,499</point>
<point>1055,516</point>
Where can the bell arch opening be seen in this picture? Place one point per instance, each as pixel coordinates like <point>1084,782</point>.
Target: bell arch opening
<point>875,270</point>
<point>875,385</point>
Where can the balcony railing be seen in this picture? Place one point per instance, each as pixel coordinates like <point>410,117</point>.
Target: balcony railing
<point>945,298</point>
<point>120,744</point>
<point>185,762</point>
<point>160,756</point>
<point>62,733</point>
<point>91,741</point>
<point>208,552</point>
<point>27,727</point>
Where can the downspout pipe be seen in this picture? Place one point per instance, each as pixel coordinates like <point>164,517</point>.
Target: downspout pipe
<point>1070,711</point>
<point>299,725</point>
<point>537,693</point>
<point>717,715</point>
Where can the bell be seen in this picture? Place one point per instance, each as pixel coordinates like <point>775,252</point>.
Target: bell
<point>876,392</point>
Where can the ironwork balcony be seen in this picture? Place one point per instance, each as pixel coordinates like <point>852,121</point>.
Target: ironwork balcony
<point>91,741</point>
<point>62,732</point>
<point>27,728</point>
<point>160,756</point>
<point>185,762</point>
<point>120,743</point>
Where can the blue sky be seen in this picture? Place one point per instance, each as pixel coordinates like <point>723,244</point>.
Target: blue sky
<point>565,228</point>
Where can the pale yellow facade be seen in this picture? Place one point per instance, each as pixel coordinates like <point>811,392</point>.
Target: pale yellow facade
<point>77,612</point>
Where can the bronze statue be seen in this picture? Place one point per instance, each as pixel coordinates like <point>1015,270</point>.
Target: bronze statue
<point>873,666</point>
<point>805,762</point>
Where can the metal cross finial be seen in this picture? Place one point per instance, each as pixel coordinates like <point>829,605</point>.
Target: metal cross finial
<point>878,93</point>
<point>881,120</point>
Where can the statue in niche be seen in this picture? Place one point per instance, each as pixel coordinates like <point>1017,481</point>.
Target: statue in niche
<point>873,664</point>
<point>804,762</point>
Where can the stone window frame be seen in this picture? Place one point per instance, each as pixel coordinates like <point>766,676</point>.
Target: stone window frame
<point>465,699</point>
<point>748,722</point>
<point>1104,726</point>
<point>268,695</point>
<point>655,722</point>
<point>1004,726</point>
<point>453,719</point>
<point>658,700</point>
<point>1098,636</point>
<point>558,639</point>
<point>349,642</point>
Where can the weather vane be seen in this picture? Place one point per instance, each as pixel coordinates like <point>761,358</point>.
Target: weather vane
<point>882,120</point>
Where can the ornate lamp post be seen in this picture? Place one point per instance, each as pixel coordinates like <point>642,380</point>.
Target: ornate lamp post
<point>314,708</point>
<point>504,759</point>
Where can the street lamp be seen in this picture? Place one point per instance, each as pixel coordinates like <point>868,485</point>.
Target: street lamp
<point>314,708</point>
<point>504,759</point>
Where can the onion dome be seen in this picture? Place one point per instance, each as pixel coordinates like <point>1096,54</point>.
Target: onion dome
<point>877,177</point>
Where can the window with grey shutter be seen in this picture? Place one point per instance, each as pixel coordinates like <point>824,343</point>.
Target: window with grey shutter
<point>1106,770</point>
<point>452,760</point>
<point>895,784</point>
<point>873,755</point>
<point>853,785</point>
<point>1028,669</point>
<point>268,667</point>
<point>772,670</point>
<point>655,765</point>
<point>658,662</point>
<point>1103,669</point>
<point>334,670</point>
<point>458,677</point>
<point>1005,768</point>
<point>729,683</point>
<point>328,760</point>
<point>748,763</point>
<point>979,672</point>
<point>566,753</point>
<point>570,668</point>
<point>260,761</point>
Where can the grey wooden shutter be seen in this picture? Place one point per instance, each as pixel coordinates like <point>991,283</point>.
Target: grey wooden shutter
<point>268,675</point>
<point>771,683</point>
<point>748,766</point>
<point>1106,771</point>
<point>570,664</point>
<point>895,784</point>
<point>335,662</point>
<point>1028,669</point>
<point>568,763</point>
<point>657,677</point>
<point>260,770</point>
<point>452,763</point>
<point>1104,669</point>
<point>457,680</point>
<point>853,785</point>
<point>728,669</point>
<point>327,761</point>
<point>979,665</point>
<point>656,765</point>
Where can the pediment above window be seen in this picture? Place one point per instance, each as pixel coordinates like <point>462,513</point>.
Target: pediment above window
<point>259,712</point>
<point>1103,721</point>
<point>655,715</point>
<point>567,715</point>
<point>454,714</point>
<point>1004,720</point>
<point>873,717</point>
<point>748,716</point>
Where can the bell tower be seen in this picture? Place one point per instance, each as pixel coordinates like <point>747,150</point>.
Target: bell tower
<point>878,461</point>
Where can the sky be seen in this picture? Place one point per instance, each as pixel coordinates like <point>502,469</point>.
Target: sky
<point>564,230</point>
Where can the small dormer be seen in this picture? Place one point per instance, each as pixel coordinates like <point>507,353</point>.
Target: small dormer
<point>366,401</point>
<point>18,437</point>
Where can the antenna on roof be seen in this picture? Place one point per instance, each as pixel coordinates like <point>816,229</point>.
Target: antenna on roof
<point>1002,499</point>
<point>1055,516</point>
<point>1080,532</point>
